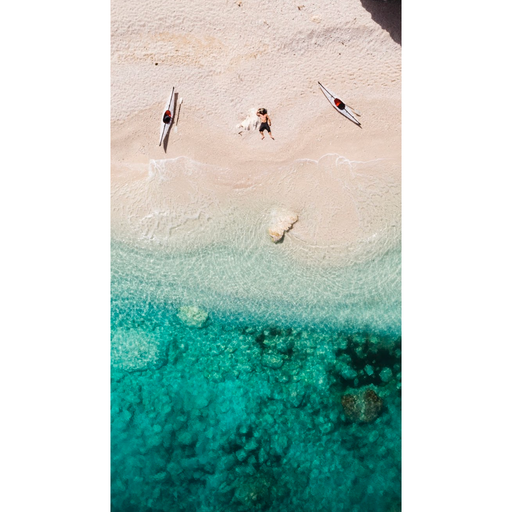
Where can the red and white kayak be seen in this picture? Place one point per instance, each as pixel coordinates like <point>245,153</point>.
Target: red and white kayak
<point>341,107</point>
<point>167,117</point>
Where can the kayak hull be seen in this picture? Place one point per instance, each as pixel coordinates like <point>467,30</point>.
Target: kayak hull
<point>165,127</point>
<point>345,111</point>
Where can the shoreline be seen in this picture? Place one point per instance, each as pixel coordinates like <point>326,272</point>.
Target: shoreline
<point>343,182</point>
<point>214,56</point>
<point>237,348</point>
<point>262,285</point>
<point>343,206</point>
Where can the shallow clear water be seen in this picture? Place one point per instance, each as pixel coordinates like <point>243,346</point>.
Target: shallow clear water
<point>245,378</point>
<point>262,285</point>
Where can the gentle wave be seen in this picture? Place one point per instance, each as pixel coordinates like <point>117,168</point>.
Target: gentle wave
<point>201,237</point>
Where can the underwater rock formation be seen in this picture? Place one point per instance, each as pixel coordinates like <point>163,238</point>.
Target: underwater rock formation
<point>282,221</point>
<point>272,361</point>
<point>256,493</point>
<point>193,316</point>
<point>386,375</point>
<point>364,406</point>
<point>136,351</point>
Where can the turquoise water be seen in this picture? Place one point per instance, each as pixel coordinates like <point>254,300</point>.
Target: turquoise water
<point>243,380</point>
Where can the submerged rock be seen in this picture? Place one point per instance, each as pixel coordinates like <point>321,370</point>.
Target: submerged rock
<point>348,373</point>
<point>364,406</point>
<point>193,316</point>
<point>272,361</point>
<point>136,350</point>
<point>373,436</point>
<point>368,369</point>
<point>186,438</point>
<point>279,444</point>
<point>241,455</point>
<point>297,394</point>
<point>282,221</point>
<point>285,345</point>
<point>386,375</point>
<point>251,445</point>
<point>255,493</point>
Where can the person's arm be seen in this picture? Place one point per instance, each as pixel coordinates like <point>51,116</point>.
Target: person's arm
<point>269,121</point>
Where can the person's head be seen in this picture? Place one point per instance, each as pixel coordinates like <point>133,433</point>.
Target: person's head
<point>262,111</point>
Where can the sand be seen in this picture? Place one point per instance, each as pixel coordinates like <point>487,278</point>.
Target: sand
<point>226,58</point>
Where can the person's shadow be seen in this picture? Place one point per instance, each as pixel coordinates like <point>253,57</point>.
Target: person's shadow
<point>388,14</point>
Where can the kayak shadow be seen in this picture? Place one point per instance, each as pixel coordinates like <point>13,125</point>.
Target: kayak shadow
<point>166,138</point>
<point>388,14</point>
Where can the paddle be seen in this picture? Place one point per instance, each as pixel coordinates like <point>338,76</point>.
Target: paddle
<point>354,110</point>
<point>178,114</point>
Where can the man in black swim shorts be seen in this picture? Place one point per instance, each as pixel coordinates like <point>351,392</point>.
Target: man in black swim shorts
<point>266,123</point>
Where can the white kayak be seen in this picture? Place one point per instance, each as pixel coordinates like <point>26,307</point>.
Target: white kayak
<point>167,117</point>
<point>341,107</point>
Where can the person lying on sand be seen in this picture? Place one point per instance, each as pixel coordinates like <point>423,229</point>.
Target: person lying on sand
<point>266,123</point>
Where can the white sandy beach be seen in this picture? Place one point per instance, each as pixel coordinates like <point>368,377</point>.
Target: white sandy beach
<point>225,58</point>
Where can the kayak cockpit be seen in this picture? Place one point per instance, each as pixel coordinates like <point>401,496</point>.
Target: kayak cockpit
<point>167,117</point>
<point>339,103</point>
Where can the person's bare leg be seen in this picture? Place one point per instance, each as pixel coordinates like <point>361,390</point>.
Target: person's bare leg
<point>262,135</point>
<point>270,133</point>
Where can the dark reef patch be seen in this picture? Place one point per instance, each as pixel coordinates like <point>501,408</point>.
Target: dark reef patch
<point>255,418</point>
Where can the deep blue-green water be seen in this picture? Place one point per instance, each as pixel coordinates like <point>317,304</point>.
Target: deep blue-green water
<point>247,397</point>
